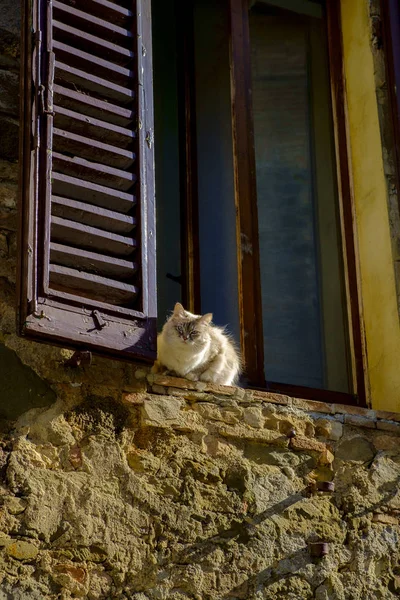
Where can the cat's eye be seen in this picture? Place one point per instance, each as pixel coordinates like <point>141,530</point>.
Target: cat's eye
<point>194,334</point>
<point>179,328</point>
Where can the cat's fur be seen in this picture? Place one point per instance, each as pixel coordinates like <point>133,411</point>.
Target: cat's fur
<point>190,346</point>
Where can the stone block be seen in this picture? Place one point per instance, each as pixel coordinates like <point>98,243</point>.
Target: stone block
<point>8,220</point>
<point>329,428</point>
<point>8,195</point>
<point>253,416</point>
<point>9,93</point>
<point>357,449</point>
<point>160,411</point>
<point>387,442</point>
<point>22,550</point>
<point>9,127</point>
<point>360,421</point>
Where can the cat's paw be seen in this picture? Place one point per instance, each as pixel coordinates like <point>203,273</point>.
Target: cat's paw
<point>192,377</point>
<point>159,369</point>
<point>208,376</point>
<point>156,368</point>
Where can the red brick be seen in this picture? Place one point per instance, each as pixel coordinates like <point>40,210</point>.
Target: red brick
<point>312,405</point>
<point>271,397</point>
<point>347,409</point>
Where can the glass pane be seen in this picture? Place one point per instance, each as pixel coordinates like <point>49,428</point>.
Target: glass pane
<point>165,76</point>
<point>218,262</point>
<point>304,316</point>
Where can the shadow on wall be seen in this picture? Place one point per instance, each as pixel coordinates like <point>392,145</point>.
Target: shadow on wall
<point>21,389</point>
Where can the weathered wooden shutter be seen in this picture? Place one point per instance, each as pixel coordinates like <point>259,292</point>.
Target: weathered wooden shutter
<point>87,276</point>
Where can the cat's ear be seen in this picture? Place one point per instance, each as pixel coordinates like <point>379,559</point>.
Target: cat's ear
<point>206,318</point>
<point>179,310</point>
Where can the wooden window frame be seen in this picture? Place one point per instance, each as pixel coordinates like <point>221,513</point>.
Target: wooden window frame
<point>46,314</point>
<point>246,210</point>
<point>248,263</point>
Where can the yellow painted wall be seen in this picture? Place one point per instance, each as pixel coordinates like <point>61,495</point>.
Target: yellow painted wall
<point>378,290</point>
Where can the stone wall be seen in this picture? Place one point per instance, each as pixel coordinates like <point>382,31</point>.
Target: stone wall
<point>199,493</point>
<point>118,485</point>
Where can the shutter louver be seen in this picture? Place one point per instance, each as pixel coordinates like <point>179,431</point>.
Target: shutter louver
<point>88,205</point>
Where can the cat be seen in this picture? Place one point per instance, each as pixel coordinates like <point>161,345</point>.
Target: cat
<point>191,346</point>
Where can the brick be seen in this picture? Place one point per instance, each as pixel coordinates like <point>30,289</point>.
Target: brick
<point>385,519</point>
<point>312,405</point>
<point>303,443</point>
<point>225,390</point>
<point>133,398</point>
<point>271,397</point>
<point>388,426</point>
<point>354,410</point>
<point>359,421</point>
<point>177,382</point>
<point>387,416</point>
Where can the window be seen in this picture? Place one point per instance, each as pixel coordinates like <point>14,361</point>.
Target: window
<point>252,183</point>
<point>253,198</point>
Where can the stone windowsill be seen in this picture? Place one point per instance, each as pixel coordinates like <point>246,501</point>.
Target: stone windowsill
<point>199,390</point>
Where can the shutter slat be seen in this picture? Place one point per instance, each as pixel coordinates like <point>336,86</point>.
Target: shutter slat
<point>84,236</point>
<point>94,172</point>
<point>87,22</point>
<point>101,88</point>
<point>87,285</point>
<point>92,215</point>
<point>106,10</point>
<point>92,128</point>
<point>92,106</point>
<point>77,145</point>
<point>115,268</point>
<point>82,60</point>
<point>71,187</point>
<point>92,44</point>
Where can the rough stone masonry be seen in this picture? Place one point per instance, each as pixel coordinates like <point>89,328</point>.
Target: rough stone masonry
<point>181,491</point>
<point>119,485</point>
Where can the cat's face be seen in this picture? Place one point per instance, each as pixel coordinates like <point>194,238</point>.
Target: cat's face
<point>188,329</point>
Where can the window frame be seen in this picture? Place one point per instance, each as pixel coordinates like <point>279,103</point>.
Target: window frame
<point>248,263</point>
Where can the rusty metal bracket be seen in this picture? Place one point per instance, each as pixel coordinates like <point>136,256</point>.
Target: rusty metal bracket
<point>318,549</point>
<point>98,320</point>
<point>79,358</point>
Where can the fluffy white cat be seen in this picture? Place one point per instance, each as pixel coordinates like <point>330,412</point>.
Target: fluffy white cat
<point>191,346</point>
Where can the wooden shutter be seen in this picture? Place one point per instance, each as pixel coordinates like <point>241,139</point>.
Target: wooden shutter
<point>87,264</point>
